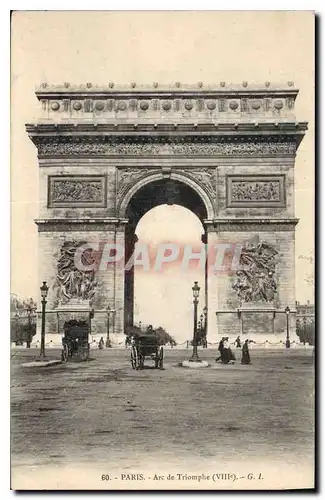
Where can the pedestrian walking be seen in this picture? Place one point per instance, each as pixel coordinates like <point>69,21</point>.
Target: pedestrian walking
<point>246,359</point>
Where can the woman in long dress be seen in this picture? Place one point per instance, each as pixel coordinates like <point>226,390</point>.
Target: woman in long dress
<point>220,349</point>
<point>246,359</point>
<point>228,355</point>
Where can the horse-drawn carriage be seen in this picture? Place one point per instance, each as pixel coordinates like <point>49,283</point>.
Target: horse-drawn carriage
<point>146,345</point>
<point>75,341</point>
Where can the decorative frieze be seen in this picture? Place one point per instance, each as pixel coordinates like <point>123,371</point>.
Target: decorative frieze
<point>255,191</point>
<point>178,102</point>
<point>148,105</point>
<point>153,146</point>
<point>77,191</point>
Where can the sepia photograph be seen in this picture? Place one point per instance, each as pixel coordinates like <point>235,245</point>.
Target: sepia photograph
<point>162,312</point>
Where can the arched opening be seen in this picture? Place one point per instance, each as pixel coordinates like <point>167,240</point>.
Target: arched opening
<point>165,211</point>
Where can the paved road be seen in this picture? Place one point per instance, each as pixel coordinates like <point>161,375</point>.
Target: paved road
<point>102,414</point>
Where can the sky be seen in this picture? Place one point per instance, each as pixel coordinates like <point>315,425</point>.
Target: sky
<point>166,47</point>
<point>171,289</point>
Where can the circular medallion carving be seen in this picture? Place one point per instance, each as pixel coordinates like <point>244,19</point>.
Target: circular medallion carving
<point>144,105</point>
<point>256,104</point>
<point>121,106</point>
<point>77,106</point>
<point>278,104</point>
<point>166,105</point>
<point>89,85</point>
<point>99,105</point>
<point>233,105</point>
<point>211,105</point>
<point>55,106</point>
<point>222,84</point>
<point>188,105</point>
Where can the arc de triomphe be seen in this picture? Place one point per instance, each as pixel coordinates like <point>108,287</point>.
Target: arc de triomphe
<point>107,155</point>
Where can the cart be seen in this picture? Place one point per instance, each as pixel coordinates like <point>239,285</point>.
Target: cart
<point>146,345</point>
<point>75,341</point>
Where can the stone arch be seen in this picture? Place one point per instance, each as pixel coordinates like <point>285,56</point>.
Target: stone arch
<point>143,181</point>
<point>190,193</point>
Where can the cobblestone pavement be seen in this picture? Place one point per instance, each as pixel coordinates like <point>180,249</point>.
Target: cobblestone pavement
<point>102,413</point>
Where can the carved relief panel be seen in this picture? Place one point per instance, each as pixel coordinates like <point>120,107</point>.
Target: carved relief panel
<point>77,191</point>
<point>73,282</point>
<point>255,280</point>
<point>255,191</point>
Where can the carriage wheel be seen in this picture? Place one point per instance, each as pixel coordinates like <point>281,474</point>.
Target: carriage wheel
<point>83,353</point>
<point>134,358</point>
<point>161,358</point>
<point>65,354</point>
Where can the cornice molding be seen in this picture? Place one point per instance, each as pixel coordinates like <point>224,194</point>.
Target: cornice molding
<point>64,224</point>
<point>251,224</point>
<point>157,89</point>
<point>212,225</point>
<point>132,128</point>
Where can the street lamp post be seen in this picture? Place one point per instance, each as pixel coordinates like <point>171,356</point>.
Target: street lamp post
<point>287,311</point>
<point>29,312</point>
<point>44,289</point>
<point>109,312</point>
<point>108,342</point>
<point>17,329</point>
<point>196,291</point>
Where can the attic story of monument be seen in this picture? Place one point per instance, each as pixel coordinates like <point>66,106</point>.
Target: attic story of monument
<point>108,154</point>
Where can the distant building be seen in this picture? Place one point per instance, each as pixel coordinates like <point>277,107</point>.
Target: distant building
<point>307,309</point>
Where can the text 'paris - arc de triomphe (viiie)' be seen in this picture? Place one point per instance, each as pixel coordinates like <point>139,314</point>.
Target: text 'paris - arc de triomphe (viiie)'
<point>226,152</point>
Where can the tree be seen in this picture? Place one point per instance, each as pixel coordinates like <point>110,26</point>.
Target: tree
<point>306,330</point>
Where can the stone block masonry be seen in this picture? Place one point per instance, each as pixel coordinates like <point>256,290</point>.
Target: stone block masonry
<point>109,154</point>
